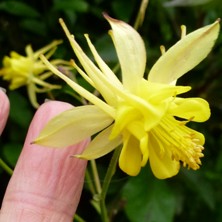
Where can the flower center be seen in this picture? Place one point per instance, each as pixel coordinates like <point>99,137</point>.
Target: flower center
<point>184,143</point>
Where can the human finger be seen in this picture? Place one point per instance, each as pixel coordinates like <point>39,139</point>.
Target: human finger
<point>46,184</point>
<point>4,109</point>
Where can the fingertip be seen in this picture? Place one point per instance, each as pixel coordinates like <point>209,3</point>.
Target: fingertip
<point>4,110</point>
<point>44,113</point>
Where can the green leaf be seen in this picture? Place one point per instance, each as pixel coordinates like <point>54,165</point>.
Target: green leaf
<point>201,186</point>
<point>185,3</point>
<point>19,9</point>
<point>11,152</point>
<point>123,9</point>
<point>149,199</point>
<point>35,26</point>
<point>106,50</point>
<point>75,6</point>
<point>20,111</point>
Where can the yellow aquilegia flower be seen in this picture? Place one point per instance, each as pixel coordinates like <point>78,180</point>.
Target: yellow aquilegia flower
<point>30,71</point>
<point>137,113</point>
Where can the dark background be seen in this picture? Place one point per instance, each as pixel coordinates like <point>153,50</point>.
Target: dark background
<point>189,196</point>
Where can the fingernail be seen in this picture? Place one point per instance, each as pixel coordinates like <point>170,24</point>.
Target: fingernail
<point>3,89</point>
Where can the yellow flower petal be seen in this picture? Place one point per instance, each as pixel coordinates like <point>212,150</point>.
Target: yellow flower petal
<point>82,91</point>
<point>106,92</point>
<point>124,115</point>
<point>195,109</point>
<point>72,126</point>
<point>130,50</point>
<point>50,49</point>
<point>156,92</point>
<point>32,95</point>
<point>134,108</point>
<point>130,156</point>
<point>103,66</point>
<point>184,55</point>
<point>100,145</point>
<point>107,86</point>
<point>15,55</point>
<point>161,163</point>
<point>136,128</point>
<point>151,114</point>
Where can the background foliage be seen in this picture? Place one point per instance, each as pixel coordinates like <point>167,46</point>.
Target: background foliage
<point>189,196</point>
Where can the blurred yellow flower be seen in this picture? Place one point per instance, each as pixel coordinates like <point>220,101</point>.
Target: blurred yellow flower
<point>146,116</point>
<point>30,71</point>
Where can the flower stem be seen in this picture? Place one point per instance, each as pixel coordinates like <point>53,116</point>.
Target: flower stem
<point>6,167</point>
<point>77,218</point>
<point>89,183</point>
<point>141,14</point>
<point>96,176</point>
<point>109,174</point>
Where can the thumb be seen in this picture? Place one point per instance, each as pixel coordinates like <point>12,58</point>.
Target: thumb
<point>46,184</point>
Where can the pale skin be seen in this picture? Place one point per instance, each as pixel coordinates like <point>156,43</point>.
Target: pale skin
<point>46,184</point>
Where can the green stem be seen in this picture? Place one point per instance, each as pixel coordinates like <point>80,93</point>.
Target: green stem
<point>96,176</point>
<point>141,14</point>
<point>109,174</point>
<point>77,218</point>
<point>6,167</point>
<point>90,183</point>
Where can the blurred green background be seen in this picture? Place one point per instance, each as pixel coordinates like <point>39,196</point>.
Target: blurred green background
<point>189,196</point>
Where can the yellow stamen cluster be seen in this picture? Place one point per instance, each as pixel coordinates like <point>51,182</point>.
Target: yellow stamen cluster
<point>184,143</point>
